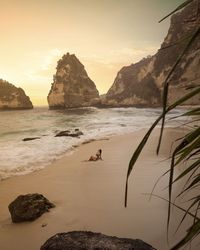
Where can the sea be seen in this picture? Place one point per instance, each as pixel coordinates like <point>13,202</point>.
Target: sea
<point>18,157</point>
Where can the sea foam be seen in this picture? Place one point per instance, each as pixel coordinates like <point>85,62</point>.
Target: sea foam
<point>18,157</point>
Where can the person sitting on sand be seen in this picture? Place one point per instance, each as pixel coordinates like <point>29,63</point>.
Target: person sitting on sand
<point>97,156</point>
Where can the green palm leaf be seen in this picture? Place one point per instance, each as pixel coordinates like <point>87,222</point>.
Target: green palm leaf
<point>140,147</point>
<point>166,83</point>
<point>188,149</point>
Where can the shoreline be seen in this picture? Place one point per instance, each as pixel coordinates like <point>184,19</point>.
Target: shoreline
<point>19,157</point>
<point>90,195</point>
<point>68,151</point>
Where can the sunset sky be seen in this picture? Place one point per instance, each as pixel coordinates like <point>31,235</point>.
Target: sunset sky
<point>104,34</point>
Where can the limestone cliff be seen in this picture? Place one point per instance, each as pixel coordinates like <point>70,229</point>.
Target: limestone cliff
<point>71,86</point>
<point>12,98</point>
<point>142,83</point>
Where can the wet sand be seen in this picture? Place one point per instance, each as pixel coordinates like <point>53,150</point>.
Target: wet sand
<point>90,195</point>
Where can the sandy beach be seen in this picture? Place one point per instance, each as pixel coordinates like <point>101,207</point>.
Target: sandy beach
<point>90,195</point>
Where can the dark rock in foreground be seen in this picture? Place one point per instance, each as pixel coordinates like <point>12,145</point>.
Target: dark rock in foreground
<point>80,240</point>
<point>30,138</point>
<point>76,133</point>
<point>29,207</point>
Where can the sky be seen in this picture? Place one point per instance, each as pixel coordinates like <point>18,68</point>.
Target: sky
<point>105,35</point>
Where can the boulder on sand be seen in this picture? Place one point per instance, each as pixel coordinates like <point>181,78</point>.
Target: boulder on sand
<point>79,240</point>
<point>29,207</point>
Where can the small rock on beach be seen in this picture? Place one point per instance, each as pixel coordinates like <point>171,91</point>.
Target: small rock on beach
<point>29,207</point>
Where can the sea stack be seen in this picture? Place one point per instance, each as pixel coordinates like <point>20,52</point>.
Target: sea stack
<point>13,98</point>
<point>71,87</point>
<point>141,84</point>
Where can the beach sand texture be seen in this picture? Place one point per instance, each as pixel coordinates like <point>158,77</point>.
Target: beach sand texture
<point>90,195</point>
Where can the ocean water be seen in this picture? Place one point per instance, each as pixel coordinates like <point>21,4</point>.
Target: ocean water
<point>19,157</point>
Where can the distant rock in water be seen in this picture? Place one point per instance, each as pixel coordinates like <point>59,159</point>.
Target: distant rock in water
<point>71,86</point>
<point>75,133</point>
<point>141,84</point>
<point>79,240</point>
<point>12,98</point>
<point>30,138</point>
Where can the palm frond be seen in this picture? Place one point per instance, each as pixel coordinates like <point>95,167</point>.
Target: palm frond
<point>188,149</point>
<point>166,83</point>
<point>140,147</point>
<point>181,6</point>
<point>191,234</point>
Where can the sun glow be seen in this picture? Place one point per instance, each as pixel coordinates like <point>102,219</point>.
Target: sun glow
<point>104,35</point>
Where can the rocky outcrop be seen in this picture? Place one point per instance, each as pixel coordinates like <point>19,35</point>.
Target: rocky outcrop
<point>134,85</point>
<point>75,133</point>
<point>142,83</point>
<point>30,138</point>
<point>71,86</point>
<point>79,240</point>
<point>12,98</point>
<point>29,207</point>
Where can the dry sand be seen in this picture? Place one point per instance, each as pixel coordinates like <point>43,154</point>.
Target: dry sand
<point>90,195</point>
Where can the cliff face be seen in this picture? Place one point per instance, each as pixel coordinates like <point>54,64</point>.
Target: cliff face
<point>71,86</point>
<point>142,83</point>
<point>12,98</point>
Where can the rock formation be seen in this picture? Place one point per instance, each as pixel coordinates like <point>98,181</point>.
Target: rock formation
<point>29,207</point>
<point>30,138</point>
<point>76,133</point>
<point>142,83</point>
<point>12,98</point>
<point>79,240</point>
<point>71,86</point>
